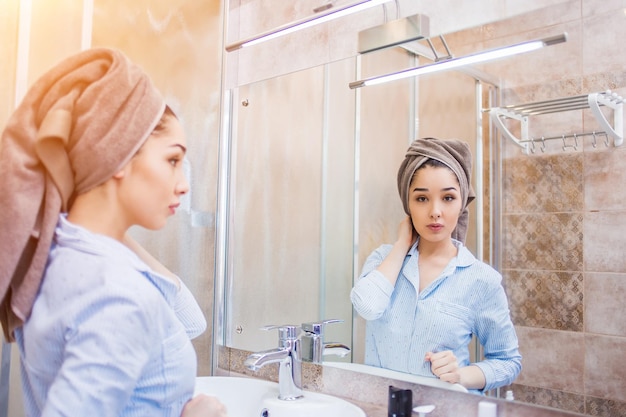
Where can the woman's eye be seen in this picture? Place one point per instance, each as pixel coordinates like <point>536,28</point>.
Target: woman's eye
<point>174,161</point>
<point>449,198</point>
<point>421,199</point>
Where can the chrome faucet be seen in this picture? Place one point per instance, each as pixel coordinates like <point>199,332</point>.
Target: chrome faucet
<point>313,346</point>
<point>290,353</point>
<point>288,356</point>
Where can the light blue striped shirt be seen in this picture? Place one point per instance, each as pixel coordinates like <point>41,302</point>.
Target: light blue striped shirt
<point>107,336</point>
<point>403,324</point>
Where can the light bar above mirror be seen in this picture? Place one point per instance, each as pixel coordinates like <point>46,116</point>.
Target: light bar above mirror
<point>331,14</point>
<point>452,63</point>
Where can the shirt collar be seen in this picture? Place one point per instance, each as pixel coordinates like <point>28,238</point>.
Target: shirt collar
<point>464,257</point>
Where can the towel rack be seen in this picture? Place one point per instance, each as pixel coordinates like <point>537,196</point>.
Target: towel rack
<point>523,112</point>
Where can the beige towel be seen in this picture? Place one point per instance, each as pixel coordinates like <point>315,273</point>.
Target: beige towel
<point>453,153</point>
<point>77,125</point>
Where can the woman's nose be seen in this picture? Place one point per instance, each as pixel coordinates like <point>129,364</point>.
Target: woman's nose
<point>435,212</point>
<point>182,187</point>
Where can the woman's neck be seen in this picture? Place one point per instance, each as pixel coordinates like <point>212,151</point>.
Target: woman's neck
<point>433,259</point>
<point>441,249</point>
<point>95,213</point>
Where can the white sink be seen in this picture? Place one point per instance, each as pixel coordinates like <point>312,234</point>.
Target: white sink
<point>249,397</point>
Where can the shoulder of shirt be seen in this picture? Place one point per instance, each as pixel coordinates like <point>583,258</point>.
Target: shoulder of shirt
<point>384,249</point>
<point>100,267</point>
<point>101,272</point>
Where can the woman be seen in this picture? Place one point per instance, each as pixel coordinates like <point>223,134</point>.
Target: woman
<point>102,327</point>
<point>426,295</point>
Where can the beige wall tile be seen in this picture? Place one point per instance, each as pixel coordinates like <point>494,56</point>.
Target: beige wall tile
<point>550,398</point>
<point>546,241</point>
<point>604,169</point>
<point>604,298</point>
<point>604,240</point>
<point>546,299</point>
<point>596,7</point>
<point>605,377</point>
<point>595,58</point>
<point>552,359</point>
<point>543,184</point>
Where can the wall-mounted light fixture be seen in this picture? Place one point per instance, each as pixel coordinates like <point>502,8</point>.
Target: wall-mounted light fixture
<point>305,23</point>
<point>451,63</point>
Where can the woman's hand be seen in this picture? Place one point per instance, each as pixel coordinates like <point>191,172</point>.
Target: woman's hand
<point>391,265</point>
<point>204,406</point>
<point>444,365</point>
<point>406,233</point>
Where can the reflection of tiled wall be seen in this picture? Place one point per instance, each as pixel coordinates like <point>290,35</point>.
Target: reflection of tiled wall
<point>551,183</point>
<point>550,300</point>
<point>545,240</point>
<point>562,211</point>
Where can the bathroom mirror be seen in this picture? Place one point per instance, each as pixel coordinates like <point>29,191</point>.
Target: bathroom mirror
<point>302,223</point>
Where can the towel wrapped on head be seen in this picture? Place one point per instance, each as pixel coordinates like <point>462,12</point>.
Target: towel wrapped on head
<point>456,155</point>
<point>78,125</point>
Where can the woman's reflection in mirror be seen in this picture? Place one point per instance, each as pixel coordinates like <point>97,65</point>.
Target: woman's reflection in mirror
<point>426,295</point>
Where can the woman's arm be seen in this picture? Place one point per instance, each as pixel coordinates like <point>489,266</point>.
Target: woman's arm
<point>108,344</point>
<point>496,333</point>
<point>392,264</point>
<point>372,291</point>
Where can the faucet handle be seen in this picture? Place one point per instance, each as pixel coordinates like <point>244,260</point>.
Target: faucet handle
<point>285,331</point>
<point>317,328</point>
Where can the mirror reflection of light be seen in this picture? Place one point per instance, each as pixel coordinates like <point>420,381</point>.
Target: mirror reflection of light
<point>306,23</point>
<point>452,63</point>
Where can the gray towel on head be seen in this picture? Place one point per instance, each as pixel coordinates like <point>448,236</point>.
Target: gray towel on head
<point>453,153</point>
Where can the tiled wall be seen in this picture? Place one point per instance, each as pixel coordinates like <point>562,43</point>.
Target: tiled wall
<point>563,213</point>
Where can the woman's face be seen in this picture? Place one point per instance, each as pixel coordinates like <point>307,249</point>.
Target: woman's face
<point>435,203</point>
<point>154,179</point>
